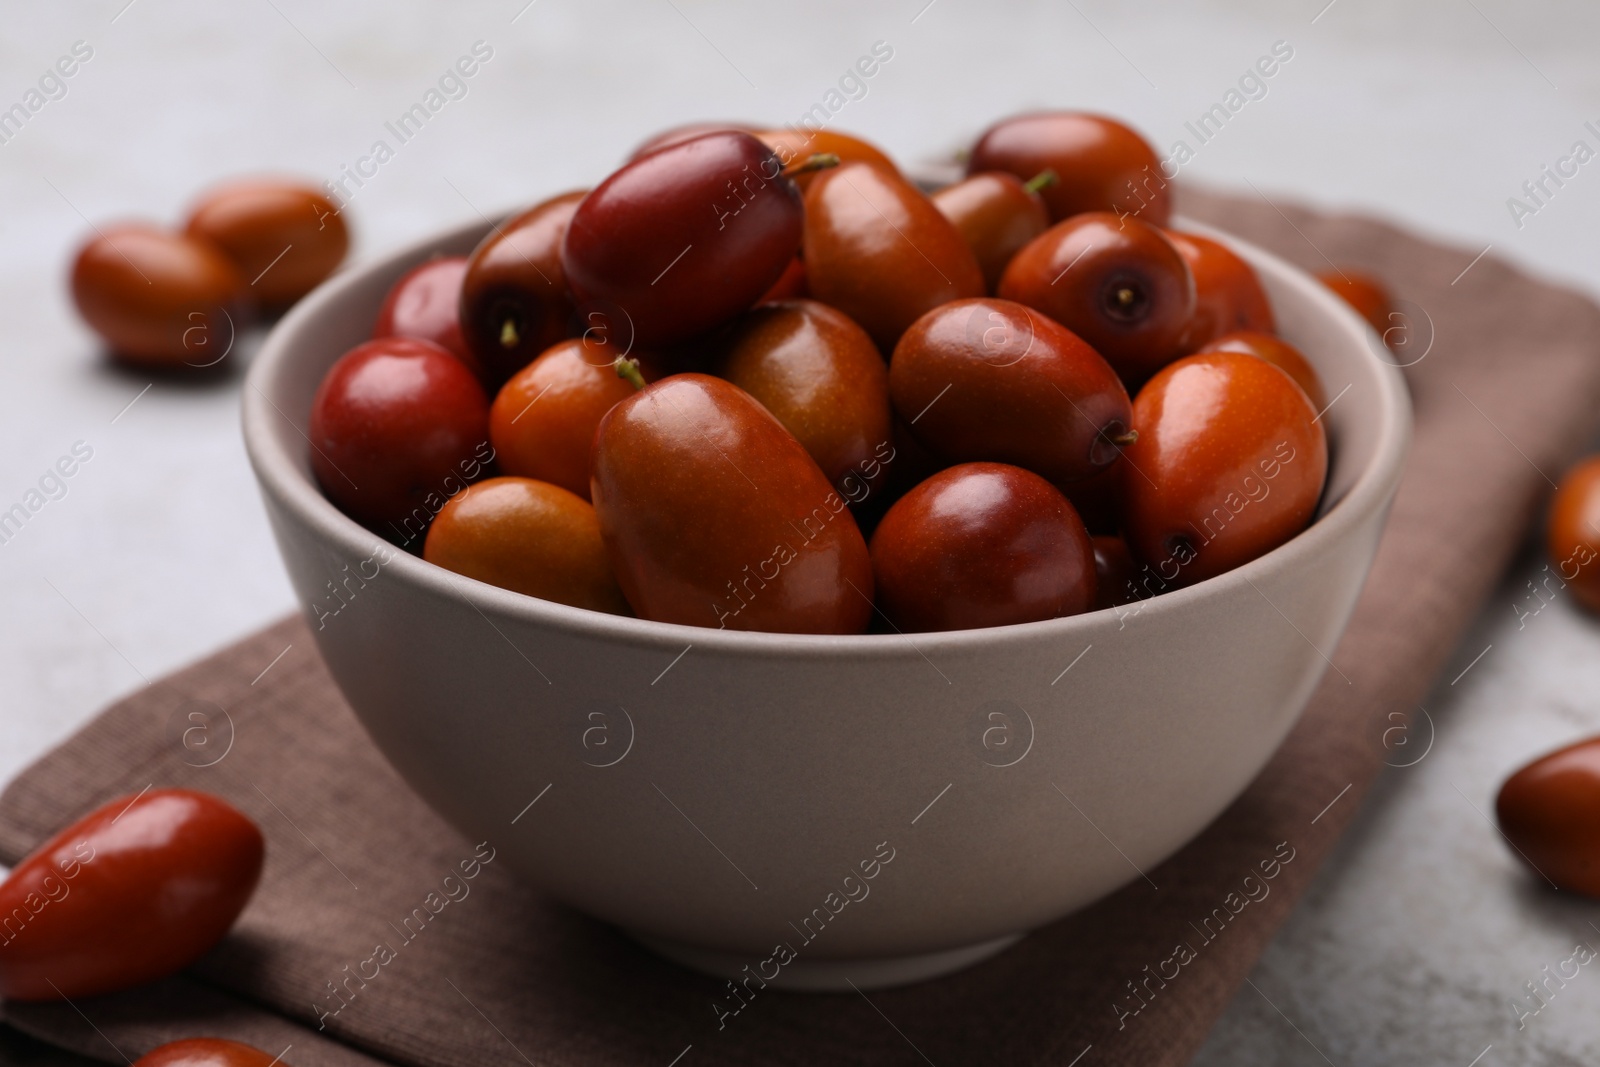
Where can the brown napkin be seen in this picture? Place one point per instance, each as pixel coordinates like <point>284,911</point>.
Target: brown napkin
<point>1504,397</point>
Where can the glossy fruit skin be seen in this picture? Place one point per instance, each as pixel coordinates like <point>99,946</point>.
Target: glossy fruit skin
<point>136,890</point>
<point>397,427</point>
<point>794,145</point>
<point>996,214</point>
<point>515,274</point>
<point>158,299</point>
<point>426,303</point>
<point>527,536</point>
<point>685,238</point>
<point>1118,284</point>
<point>1100,164</point>
<point>821,376</point>
<point>206,1052</point>
<point>981,544</point>
<point>1228,295</point>
<point>1228,466</point>
<point>989,379</point>
<point>877,249</point>
<point>542,421</point>
<point>1115,573</point>
<point>1278,352</point>
<point>255,221</point>
<point>1550,813</point>
<point>1369,296</point>
<point>687,132</point>
<point>713,515</point>
<point>1571,536</point>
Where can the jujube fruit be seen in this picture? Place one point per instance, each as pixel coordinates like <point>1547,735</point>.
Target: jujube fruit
<point>820,375</point>
<point>136,890</point>
<point>714,515</point>
<point>1572,535</point>
<point>1550,813</point>
<point>1229,465</point>
<point>426,303</point>
<point>1228,295</point>
<point>158,299</point>
<point>515,302</point>
<point>686,237</point>
<point>527,536</point>
<point>1369,296</point>
<point>1117,283</point>
<point>542,421</point>
<point>1276,351</point>
<point>981,544</point>
<point>1101,163</point>
<point>989,379</point>
<point>878,249</point>
<point>996,214</point>
<point>397,426</point>
<point>285,237</point>
<point>208,1052</point>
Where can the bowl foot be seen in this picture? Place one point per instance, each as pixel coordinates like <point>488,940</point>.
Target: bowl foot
<point>830,976</point>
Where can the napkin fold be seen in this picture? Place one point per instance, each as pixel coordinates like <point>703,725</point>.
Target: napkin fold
<point>354,951</point>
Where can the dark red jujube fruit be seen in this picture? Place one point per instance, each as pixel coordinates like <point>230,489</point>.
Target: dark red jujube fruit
<point>397,427</point>
<point>426,304</point>
<point>136,890</point>
<point>1550,813</point>
<point>685,237</point>
<point>1100,164</point>
<point>982,544</point>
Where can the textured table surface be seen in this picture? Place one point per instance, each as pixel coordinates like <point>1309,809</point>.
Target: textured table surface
<point>1414,946</point>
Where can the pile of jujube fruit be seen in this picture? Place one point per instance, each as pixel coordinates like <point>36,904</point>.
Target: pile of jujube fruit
<point>760,380</point>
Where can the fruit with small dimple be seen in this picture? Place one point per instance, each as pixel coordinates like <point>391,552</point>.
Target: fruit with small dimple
<point>527,536</point>
<point>1549,811</point>
<point>989,379</point>
<point>285,237</point>
<point>515,302</point>
<point>1101,164</point>
<point>996,214</point>
<point>1276,351</point>
<point>1572,534</point>
<point>1117,283</point>
<point>397,427</point>
<point>879,250</point>
<point>1229,464</point>
<point>136,890</point>
<point>714,515</point>
<point>158,299</point>
<point>542,421</point>
<point>426,303</point>
<point>1228,295</point>
<point>982,544</point>
<point>822,377</point>
<point>686,237</point>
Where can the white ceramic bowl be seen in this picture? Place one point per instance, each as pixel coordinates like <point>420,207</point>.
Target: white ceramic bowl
<point>725,796</point>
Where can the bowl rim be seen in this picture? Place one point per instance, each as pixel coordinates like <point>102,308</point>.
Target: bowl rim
<point>282,476</point>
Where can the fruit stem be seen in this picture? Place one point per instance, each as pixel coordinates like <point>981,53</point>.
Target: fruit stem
<point>818,161</point>
<point>1043,180</point>
<point>628,369</point>
<point>508,334</point>
<point>1125,438</point>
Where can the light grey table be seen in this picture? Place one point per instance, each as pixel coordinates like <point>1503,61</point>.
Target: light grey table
<point>1418,936</point>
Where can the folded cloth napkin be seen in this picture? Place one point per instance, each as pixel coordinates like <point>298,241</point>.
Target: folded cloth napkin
<point>1504,395</point>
